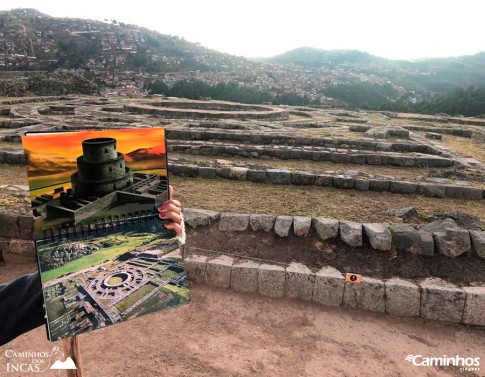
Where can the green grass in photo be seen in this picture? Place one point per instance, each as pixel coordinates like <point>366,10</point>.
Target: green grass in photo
<point>133,298</point>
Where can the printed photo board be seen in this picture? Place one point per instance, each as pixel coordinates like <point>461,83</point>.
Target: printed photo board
<point>103,253</point>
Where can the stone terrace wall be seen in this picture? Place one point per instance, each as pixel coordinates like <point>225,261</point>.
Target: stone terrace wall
<point>343,156</point>
<point>302,178</point>
<point>34,99</point>
<point>441,237</point>
<point>190,113</point>
<point>431,299</point>
<point>280,139</point>
<point>470,122</point>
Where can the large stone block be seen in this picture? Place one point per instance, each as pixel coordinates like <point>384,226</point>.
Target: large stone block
<point>207,172</point>
<point>374,159</point>
<point>407,239</point>
<point>296,154</point>
<point>279,176</point>
<point>233,222</point>
<point>439,226</point>
<point>351,233</point>
<point>187,170</point>
<point>379,236</point>
<point>261,222</point>
<point>341,158</point>
<point>258,176</point>
<point>433,162</point>
<point>402,298</point>
<point>343,181</point>
<point>282,225</point>
<point>358,159</point>
<point>472,193</point>
<point>463,219</point>
<point>477,238</point>
<point>368,295</point>
<point>9,226</point>
<point>406,212</point>
<point>199,217</point>
<point>403,161</point>
<point>361,184</point>
<point>379,185</point>
<point>323,180</point>
<point>271,280</point>
<point>441,300</point>
<point>244,277</point>
<point>223,171</point>
<point>302,178</point>
<point>218,272</point>
<point>238,173</point>
<point>329,287</point>
<point>299,282</point>
<point>321,156</point>
<point>22,247</point>
<point>13,157</point>
<point>455,192</point>
<point>301,225</point>
<point>452,242</point>
<point>432,190</point>
<point>474,312</point>
<point>403,187</point>
<point>195,266</point>
<point>326,228</point>
<point>26,227</point>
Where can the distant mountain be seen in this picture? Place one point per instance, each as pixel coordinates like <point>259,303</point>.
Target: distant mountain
<point>155,152</point>
<point>114,55</point>
<point>31,40</point>
<point>40,164</point>
<point>426,76</point>
<point>314,57</point>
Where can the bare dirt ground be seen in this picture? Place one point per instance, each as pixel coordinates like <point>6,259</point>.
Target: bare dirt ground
<point>222,333</point>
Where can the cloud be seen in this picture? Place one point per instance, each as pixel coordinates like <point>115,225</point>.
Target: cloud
<point>68,364</point>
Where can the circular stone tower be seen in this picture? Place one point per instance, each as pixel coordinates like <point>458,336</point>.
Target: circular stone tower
<point>101,169</point>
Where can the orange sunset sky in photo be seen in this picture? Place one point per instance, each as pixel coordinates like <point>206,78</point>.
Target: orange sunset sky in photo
<point>69,145</point>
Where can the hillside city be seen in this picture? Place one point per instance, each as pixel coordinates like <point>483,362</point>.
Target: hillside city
<point>111,58</point>
<point>31,41</point>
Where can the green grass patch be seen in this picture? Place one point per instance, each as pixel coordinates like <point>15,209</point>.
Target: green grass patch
<point>115,280</point>
<point>183,293</point>
<point>168,274</point>
<point>132,299</point>
<point>55,309</point>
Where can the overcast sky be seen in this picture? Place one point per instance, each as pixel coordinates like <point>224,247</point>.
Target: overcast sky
<point>396,29</point>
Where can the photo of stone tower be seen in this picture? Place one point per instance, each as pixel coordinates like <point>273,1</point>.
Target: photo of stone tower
<point>96,174</point>
<point>101,169</point>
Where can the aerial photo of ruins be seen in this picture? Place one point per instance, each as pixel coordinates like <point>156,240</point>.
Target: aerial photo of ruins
<point>334,178</point>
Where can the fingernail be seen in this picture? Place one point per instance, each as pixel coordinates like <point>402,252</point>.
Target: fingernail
<point>161,208</point>
<point>162,215</point>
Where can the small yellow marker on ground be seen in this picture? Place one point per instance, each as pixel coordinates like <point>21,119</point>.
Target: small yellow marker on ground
<point>353,278</point>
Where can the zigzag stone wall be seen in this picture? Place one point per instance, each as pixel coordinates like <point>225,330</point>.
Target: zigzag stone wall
<point>443,238</point>
<point>432,298</point>
<point>302,178</point>
<point>280,139</point>
<point>343,156</point>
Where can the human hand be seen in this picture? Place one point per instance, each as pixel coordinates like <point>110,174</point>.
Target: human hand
<point>171,210</point>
